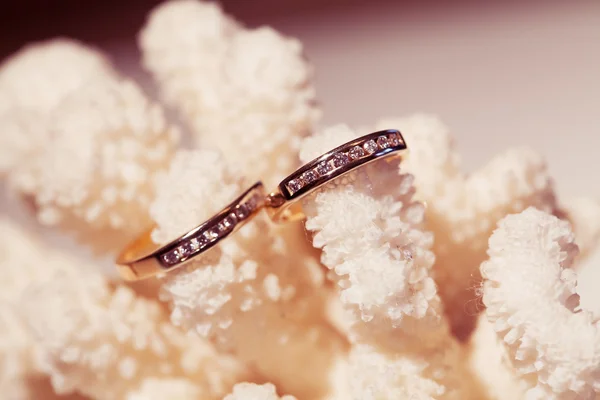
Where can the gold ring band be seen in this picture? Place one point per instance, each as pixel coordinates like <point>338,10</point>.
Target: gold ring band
<point>143,258</point>
<point>283,205</point>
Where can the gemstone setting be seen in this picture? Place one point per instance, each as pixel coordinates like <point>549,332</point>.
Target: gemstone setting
<point>309,176</point>
<point>370,147</point>
<point>189,247</point>
<point>324,168</point>
<point>382,142</point>
<point>241,212</point>
<point>171,257</point>
<point>340,159</point>
<point>356,152</point>
<point>294,185</point>
<point>210,234</point>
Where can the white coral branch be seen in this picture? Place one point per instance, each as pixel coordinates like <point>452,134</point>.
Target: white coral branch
<point>39,76</point>
<point>32,83</point>
<point>368,228</point>
<point>531,299</point>
<point>462,210</point>
<point>81,142</point>
<point>251,88</point>
<point>370,231</point>
<point>376,375</point>
<point>96,176</point>
<point>252,391</point>
<point>18,367</point>
<point>108,343</point>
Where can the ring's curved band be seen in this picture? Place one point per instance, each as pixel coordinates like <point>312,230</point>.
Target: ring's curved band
<point>283,205</point>
<point>143,258</point>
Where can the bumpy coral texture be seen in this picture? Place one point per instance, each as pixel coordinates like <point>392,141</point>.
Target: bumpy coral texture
<point>532,302</point>
<point>260,293</point>
<point>81,142</point>
<point>247,92</point>
<point>102,342</point>
<point>96,175</point>
<point>32,83</point>
<point>18,368</point>
<point>252,391</point>
<point>462,210</point>
<point>385,267</point>
<point>370,231</point>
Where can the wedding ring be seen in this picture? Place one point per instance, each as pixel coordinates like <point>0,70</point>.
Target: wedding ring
<point>283,205</point>
<point>143,258</point>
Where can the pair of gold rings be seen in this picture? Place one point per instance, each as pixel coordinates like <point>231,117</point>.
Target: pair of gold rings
<point>142,258</point>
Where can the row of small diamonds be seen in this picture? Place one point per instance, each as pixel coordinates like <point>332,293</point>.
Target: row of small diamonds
<point>338,160</point>
<point>211,233</point>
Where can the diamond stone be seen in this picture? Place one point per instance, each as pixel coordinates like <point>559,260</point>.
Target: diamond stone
<point>294,185</point>
<point>356,152</point>
<point>324,168</point>
<point>382,141</point>
<point>370,147</point>
<point>233,217</point>
<point>202,240</point>
<point>210,234</point>
<point>229,220</point>
<point>171,257</point>
<point>241,212</point>
<point>221,227</point>
<point>394,140</point>
<point>226,224</point>
<point>189,247</point>
<point>309,176</point>
<point>340,159</point>
<point>250,204</point>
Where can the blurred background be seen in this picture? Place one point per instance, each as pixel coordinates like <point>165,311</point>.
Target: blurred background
<point>500,74</point>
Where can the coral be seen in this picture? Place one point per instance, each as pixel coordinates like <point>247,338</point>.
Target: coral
<point>260,294</point>
<point>370,231</point>
<point>60,144</point>
<point>375,375</point>
<point>385,267</point>
<point>92,339</point>
<point>250,87</point>
<point>462,210</point>
<point>96,175</point>
<point>32,84</point>
<point>104,182</point>
<point>532,303</point>
<point>252,391</point>
<point>17,347</point>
